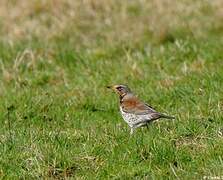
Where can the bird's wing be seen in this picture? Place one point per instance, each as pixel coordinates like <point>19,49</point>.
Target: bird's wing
<point>134,106</point>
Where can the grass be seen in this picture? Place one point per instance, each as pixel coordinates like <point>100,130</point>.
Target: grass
<point>59,121</point>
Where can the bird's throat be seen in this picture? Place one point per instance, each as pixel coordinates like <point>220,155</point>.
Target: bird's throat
<point>121,96</point>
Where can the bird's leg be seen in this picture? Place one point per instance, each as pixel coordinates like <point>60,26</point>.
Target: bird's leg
<point>132,130</point>
<point>147,127</point>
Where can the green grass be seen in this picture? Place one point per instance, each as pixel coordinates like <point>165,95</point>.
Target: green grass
<point>58,120</point>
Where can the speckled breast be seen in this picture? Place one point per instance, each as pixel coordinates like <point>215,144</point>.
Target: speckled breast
<point>133,119</point>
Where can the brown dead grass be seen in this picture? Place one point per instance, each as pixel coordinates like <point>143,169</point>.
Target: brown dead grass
<point>192,142</point>
<point>58,173</point>
<point>110,20</point>
<point>28,61</point>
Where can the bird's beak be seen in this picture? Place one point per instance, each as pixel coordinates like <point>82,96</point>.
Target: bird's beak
<point>111,87</point>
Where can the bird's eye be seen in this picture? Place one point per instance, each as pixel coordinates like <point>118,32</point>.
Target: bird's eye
<point>119,88</point>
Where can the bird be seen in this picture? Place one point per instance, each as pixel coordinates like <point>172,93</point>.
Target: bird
<point>135,112</point>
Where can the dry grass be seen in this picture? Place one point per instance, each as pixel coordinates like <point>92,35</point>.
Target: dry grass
<point>109,21</point>
<point>58,119</point>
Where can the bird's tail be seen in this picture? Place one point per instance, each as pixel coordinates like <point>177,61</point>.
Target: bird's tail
<point>166,116</point>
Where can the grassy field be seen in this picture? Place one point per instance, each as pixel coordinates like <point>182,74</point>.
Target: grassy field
<point>59,121</point>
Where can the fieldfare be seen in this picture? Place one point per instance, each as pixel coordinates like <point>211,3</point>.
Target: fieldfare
<point>135,112</point>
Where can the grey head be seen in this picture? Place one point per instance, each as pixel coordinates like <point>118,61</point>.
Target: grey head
<point>120,89</point>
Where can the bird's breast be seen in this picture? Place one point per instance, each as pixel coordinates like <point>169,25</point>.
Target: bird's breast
<point>131,119</point>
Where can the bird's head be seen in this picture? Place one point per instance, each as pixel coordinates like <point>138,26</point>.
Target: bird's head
<point>121,90</point>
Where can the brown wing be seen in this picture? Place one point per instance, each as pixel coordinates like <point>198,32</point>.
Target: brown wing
<point>134,106</point>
